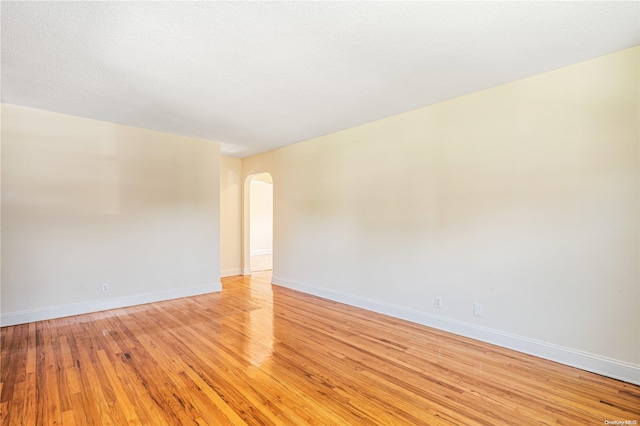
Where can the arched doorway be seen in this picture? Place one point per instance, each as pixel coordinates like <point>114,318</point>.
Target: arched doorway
<point>258,238</point>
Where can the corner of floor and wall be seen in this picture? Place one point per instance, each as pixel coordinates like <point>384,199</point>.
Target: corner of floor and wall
<point>516,206</point>
<point>521,200</point>
<point>97,215</point>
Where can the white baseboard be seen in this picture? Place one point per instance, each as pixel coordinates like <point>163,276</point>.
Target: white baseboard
<point>40,314</point>
<point>259,252</point>
<point>246,271</point>
<point>231,272</point>
<point>620,370</point>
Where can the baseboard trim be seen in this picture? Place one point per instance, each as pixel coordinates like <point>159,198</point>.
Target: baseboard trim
<point>40,314</point>
<point>230,272</point>
<point>259,252</point>
<point>246,271</point>
<point>615,369</point>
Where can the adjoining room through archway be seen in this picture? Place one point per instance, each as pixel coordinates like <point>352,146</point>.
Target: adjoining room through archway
<point>261,222</point>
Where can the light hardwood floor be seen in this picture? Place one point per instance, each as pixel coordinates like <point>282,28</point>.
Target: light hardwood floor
<point>261,354</point>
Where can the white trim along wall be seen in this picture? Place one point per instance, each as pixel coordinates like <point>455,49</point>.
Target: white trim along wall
<point>524,198</point>
<point>590,362</point>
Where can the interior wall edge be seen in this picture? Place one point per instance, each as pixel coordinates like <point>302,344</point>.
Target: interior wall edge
<point>230,272</point>
<point>604,366</point>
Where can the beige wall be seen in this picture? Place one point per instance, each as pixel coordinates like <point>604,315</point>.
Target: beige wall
<point>86,202</point>
<point>230,216</point>
<point>523,197</point>
<point>261,216</point>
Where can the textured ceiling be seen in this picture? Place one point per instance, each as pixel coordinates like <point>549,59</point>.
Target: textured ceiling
<point>256,76</point>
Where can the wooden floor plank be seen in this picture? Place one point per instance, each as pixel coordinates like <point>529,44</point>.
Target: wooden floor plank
<point>261,354</point>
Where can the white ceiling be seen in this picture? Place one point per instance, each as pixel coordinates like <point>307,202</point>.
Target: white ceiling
<point>255,76</point>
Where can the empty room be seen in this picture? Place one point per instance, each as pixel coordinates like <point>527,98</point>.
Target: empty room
<point>324,213</point>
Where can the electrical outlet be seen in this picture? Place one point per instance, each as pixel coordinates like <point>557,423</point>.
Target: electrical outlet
<point>437,302</point>
<point>105,287</point>
<point>477,309</point>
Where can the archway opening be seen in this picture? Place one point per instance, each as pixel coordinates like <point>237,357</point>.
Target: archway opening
<point>260,223</point>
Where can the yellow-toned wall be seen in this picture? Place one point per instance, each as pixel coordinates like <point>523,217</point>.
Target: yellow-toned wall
<point>86,202</point>
<point>230,216</point>
<point>523,198</point>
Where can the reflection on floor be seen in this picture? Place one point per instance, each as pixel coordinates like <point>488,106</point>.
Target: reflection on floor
<point>261,262</point>
<point>261,354</point>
